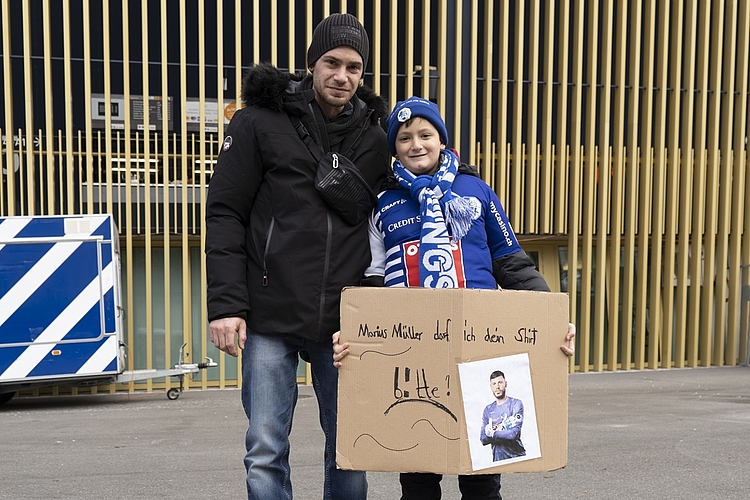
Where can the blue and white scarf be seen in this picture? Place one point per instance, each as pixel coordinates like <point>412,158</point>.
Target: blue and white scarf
<point>440,211</point>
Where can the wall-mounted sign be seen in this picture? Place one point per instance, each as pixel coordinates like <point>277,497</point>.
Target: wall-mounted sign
<point>211,111</point>
<point>117,109</point>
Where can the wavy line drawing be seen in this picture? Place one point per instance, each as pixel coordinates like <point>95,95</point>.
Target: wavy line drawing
<point>384,353</point>
<point>434,403</point>
<point>381,445</point>
<point>434,429</point>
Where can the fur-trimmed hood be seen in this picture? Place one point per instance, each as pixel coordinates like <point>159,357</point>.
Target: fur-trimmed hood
<point>266,86</point>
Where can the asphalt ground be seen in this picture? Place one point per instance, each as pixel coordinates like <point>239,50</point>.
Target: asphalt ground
<point>680,433</point>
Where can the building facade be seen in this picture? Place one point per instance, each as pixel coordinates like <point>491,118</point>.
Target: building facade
<point>615,134</point>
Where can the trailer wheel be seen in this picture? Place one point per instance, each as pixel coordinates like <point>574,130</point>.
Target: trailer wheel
<point>173,394</point>
<point>6,396</point>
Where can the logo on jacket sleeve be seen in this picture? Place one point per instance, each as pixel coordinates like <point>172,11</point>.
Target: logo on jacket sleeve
<point>227,143</point>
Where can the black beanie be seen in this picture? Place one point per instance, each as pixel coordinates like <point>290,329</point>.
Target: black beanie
<point>336,30</point>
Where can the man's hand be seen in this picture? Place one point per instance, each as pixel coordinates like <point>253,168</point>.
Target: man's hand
<point>569,348</point>
<point>223,332</point>
<point>340,351</point>
<point>489,430</point>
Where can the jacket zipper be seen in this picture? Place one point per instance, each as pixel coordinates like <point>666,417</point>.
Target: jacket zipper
<point>326,263</point>
<point>265,252</point>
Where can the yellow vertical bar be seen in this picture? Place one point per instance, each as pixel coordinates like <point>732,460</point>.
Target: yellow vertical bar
<point>256,32</point>
<point>274,22</point>
<point>214,151</point>
<point>26,136</point>
<point>645,199</point>
<point>672,166</point>
<point>631,186</point>
<point>87,92</point>
<point>518,165</point>
<point>562,54</point>
<point>724,215</point>
<point>739,193</point>
<point>128,194</point>
<point>502,171</point>
<point>618,184</point>
<point>531,203</point>
<point>107,73</point>
<point>186,162</point>
<point>46,139</point>
<point>145,85</point>
<point>426,67</point>
<point>684,283</point>
<point>290,34</point>
<point>699,176</point>
<point>8,98</point>
<point>238,56</point>
<point>547,198</point>
<point>443,65</point>
<point>393,53</point>
<point>203,141</point>
<point>576,160</point>
<point>473,56</point>
<point>69,163</point>
<point>590,166</point>
<point>409,50</point>
<point>376,47</point>
<point>603,212</point>
<point>457,74</point>
<point>658,197</point>
<point>711,325</point>
<point>487,116</point>
<point>165,187</point>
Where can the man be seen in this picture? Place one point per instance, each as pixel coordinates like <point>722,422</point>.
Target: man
<point>502,420</point>
<point>278,256</point>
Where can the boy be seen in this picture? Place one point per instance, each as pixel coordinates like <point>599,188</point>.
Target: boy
<point>438,225</point>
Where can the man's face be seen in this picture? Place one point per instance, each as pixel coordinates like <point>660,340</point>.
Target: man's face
<point>498,385</point>
<point>336,76</point>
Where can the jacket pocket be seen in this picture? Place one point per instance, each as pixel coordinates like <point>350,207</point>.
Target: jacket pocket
<point>266,250</point>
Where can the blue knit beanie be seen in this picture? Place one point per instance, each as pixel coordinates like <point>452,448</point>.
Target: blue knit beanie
<point>414,107</point>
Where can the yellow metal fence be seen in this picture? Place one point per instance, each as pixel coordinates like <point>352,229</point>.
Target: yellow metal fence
<point>615,133</point>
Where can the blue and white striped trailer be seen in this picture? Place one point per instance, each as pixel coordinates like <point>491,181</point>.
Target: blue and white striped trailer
<point>60,305</point>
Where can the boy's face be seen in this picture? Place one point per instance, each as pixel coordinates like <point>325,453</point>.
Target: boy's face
<point>418,146</point>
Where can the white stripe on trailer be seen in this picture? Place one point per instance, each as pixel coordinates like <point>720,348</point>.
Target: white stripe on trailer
<point>99,361</point>
<point>11,227</point>
<point>37,275</point>
<point>68,318</point>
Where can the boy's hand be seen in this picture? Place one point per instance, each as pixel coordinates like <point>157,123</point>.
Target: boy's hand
<point>569,347</point>
<point>340,351</point>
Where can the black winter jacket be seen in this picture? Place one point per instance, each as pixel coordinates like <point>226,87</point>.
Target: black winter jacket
<point>276,254</point>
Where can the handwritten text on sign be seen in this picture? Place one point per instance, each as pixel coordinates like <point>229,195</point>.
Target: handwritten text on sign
<point>410,332</point>
<point>413,384</point>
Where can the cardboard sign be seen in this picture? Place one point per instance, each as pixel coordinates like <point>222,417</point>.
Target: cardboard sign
<point>415,392</point>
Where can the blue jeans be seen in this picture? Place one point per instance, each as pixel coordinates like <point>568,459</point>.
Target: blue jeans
<point>269,395</point>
